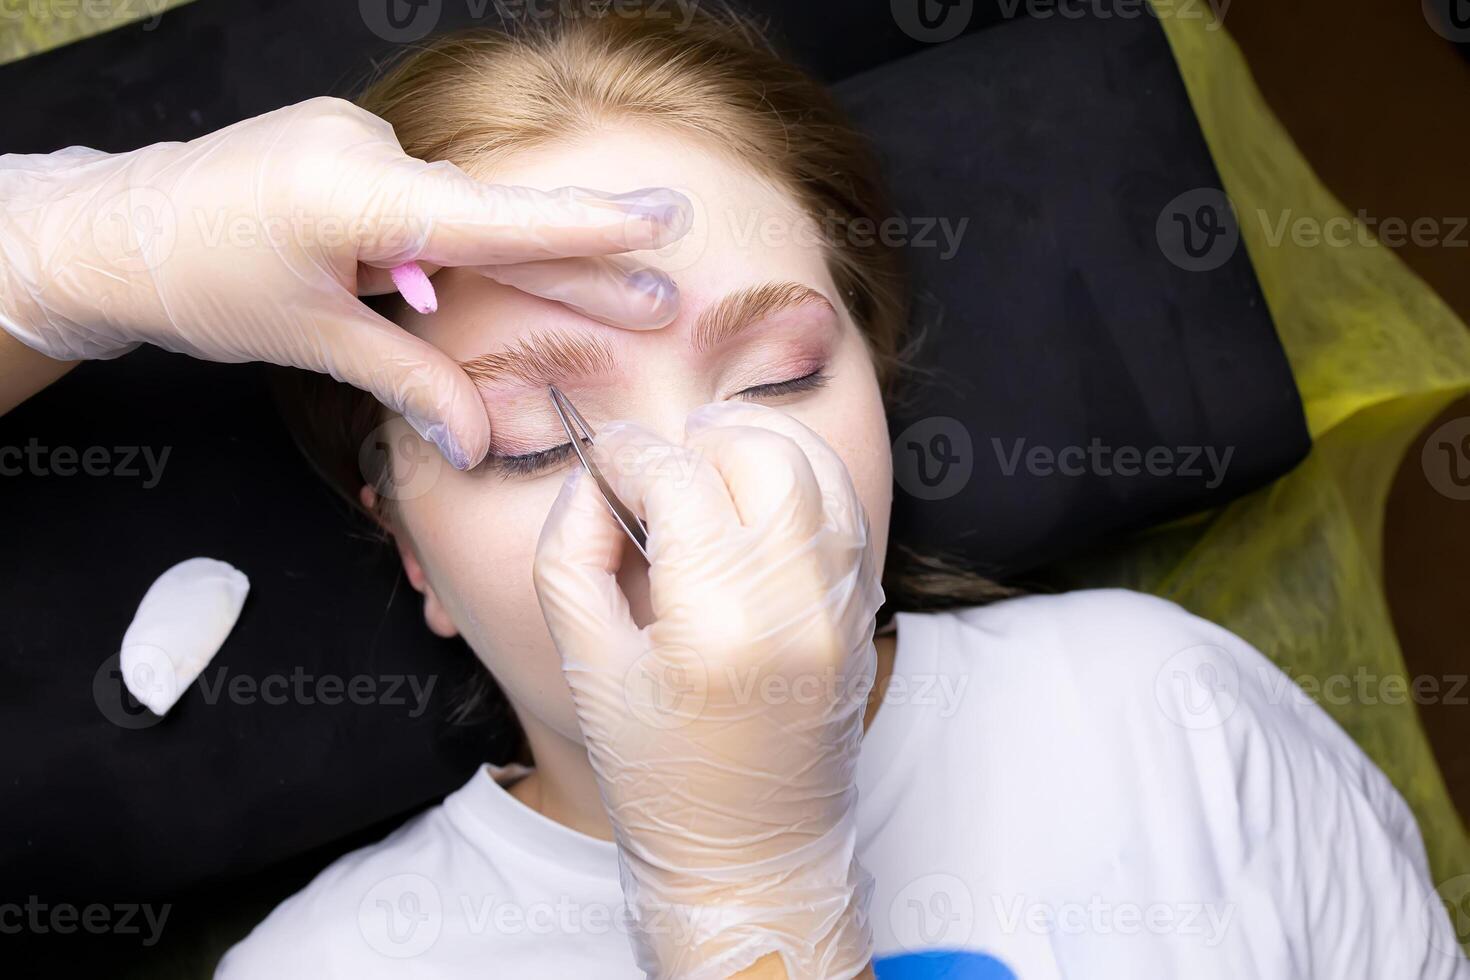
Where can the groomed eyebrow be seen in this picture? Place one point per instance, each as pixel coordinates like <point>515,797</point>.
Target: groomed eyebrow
<point>547,357</point>
<point>544,358</point>
<point>737,310</point>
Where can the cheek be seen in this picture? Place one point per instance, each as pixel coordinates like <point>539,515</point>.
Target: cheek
<point>476,538</point>
<point>863,446</point>
<point>476,544</point>
<point>851,418</point>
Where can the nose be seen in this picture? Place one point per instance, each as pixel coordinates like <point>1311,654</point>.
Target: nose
<point>664,419</point>
<point>660,407</point>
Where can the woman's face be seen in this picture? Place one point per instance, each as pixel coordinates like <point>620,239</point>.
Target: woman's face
<point>759,319</point>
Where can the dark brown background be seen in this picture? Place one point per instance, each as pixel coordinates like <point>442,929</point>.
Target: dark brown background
<point>1380,105</point>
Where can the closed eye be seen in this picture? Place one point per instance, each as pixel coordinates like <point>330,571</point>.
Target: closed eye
<point>804,383</point>
<point>530,464</point>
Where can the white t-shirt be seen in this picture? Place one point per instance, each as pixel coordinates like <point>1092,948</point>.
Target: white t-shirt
<point>1090,785</point>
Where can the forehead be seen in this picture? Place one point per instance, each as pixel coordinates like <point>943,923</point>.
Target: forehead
<point>746,230</point>
<point>730,198</point>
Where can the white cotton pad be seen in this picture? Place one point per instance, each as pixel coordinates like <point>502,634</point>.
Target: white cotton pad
<point>178,628</point>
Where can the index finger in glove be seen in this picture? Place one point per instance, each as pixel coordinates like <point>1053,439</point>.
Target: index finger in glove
<point>609,289</point>
<point>681,498</point>
<point>769,477</point>
<point>437,213</point>
<point>839,496</point>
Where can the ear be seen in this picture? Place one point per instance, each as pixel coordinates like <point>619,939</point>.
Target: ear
<point>434,612</point>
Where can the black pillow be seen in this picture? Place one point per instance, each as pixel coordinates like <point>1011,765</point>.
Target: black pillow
<point>1096,357</point>
<point>1064,314</point>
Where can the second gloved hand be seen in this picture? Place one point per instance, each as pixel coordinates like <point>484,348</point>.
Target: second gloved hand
<point>725,734</point>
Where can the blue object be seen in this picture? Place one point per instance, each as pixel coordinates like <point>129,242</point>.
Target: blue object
<point>942,964</point>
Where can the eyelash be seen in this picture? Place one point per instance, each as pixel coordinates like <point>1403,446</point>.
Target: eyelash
<point>777,388</point>
<point>528,464</point>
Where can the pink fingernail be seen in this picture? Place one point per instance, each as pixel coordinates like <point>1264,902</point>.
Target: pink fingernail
<point>415,287</point>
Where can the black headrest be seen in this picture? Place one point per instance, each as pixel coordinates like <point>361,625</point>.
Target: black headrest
<point>1097,356</point>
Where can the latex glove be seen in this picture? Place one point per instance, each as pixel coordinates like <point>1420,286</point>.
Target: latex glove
<point>248,244</point>
<point>725,733</point>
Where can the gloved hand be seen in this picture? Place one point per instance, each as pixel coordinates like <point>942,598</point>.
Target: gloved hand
<point>253,243</point>
<point>725,733</point>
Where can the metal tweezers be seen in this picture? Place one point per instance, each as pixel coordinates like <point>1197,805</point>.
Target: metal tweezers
<point>635,529</point>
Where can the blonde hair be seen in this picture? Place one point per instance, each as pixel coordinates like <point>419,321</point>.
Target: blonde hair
<point>479,96</point>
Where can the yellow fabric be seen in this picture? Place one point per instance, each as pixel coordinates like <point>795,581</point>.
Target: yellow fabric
<point>28,27</point>
<point>1296,568</point>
